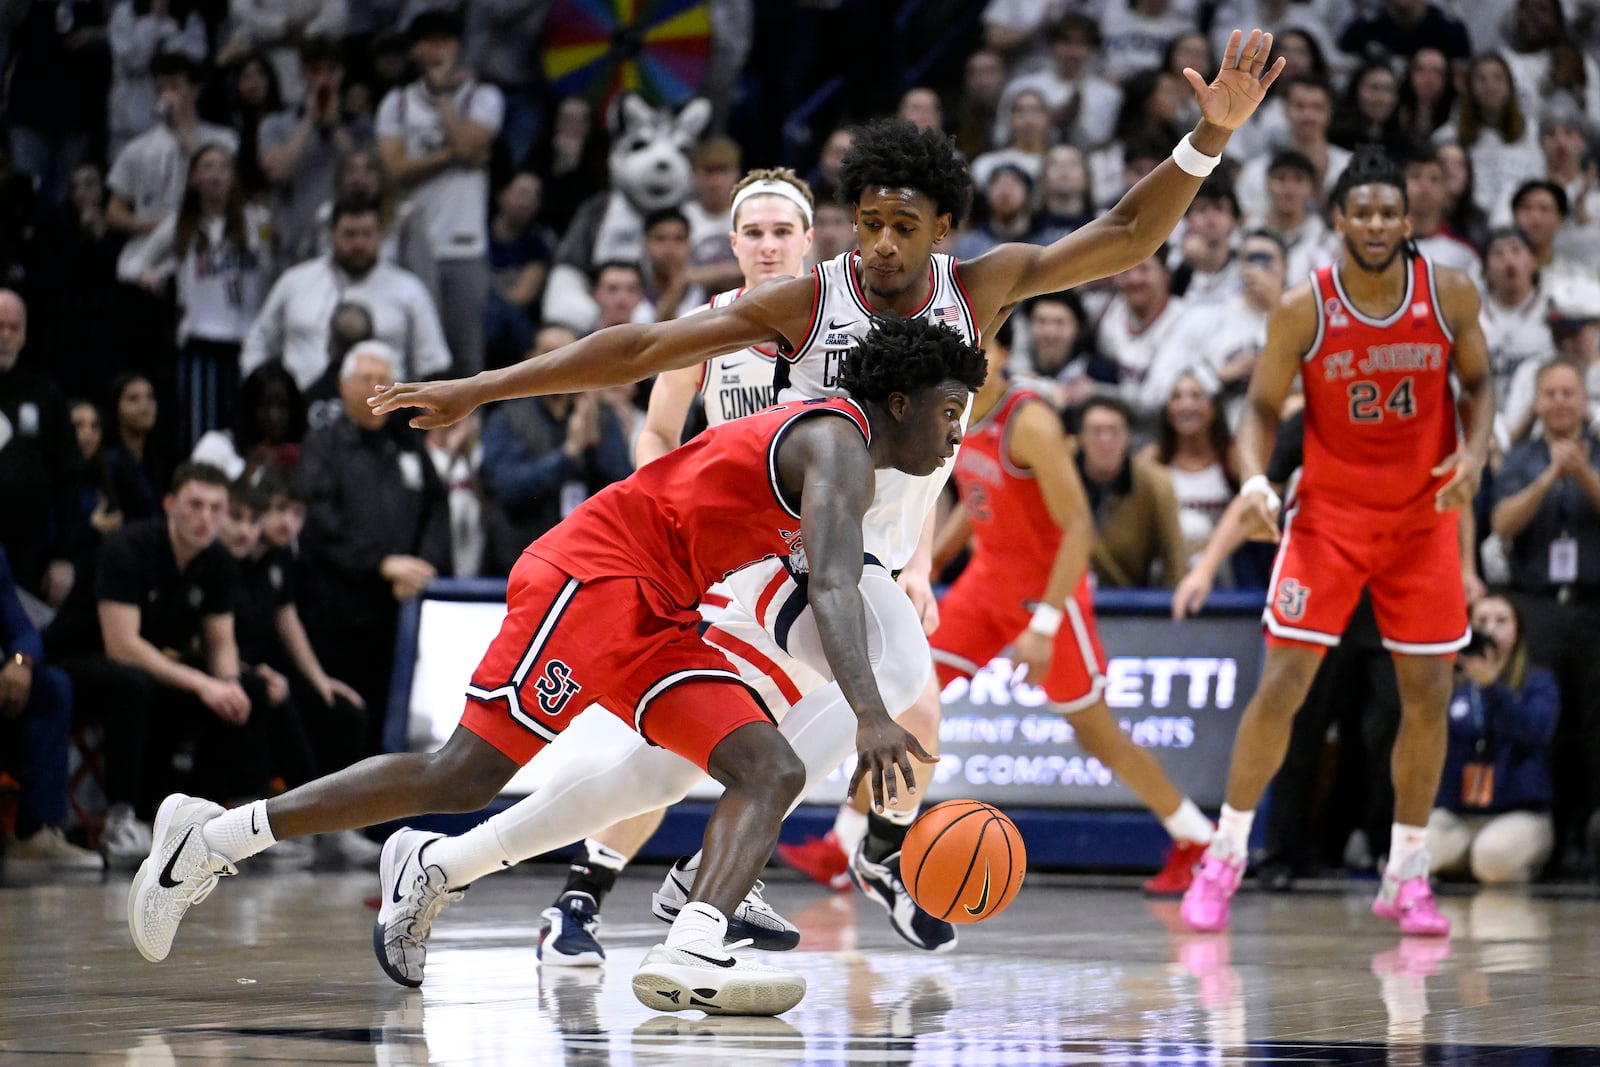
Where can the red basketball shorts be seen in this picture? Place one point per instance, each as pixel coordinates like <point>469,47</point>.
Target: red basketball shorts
<point>979,616</point>
<point>1411,565</point>
<point>567,644</point>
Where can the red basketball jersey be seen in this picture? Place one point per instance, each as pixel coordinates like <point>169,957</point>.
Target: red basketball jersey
<point>697,514</point>
<point>1379,411</point>
<point>1015,536</point>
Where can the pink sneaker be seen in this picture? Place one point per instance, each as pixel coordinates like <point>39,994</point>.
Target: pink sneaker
<point>1413,908</point>
<point>1205,902</point>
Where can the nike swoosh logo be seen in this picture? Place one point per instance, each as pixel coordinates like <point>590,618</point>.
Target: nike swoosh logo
<point>166,881</point>
<point>401,878</point>
<point>834,324</point>
<point>983,900</point>
<point>729,962</point>
<point>253,829</point>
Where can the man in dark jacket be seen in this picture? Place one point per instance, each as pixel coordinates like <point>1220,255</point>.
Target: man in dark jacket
<point>377,530</point>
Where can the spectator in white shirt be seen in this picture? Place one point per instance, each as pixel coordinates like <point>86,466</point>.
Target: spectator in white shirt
<point>1204,268</point>
<point>1539,208</point>
<point>293,324</point>
<point>138,30</point>
<point>1515,316</point>
<point>1083,106</point>
<point>217,247</point>
<point>1495,131</point>
<point>1137,33</point>
<point>435,136</point>
<point>1139,324</point>
<point>1564,138</point>
<point>715,167</point>
<point>1426,199</point>
<point>1308,108</point>
<point>278,26</point>
<point>148,178</point>
<point>1306,236</point>
<point>668,292</point>
<point>1027,138</point>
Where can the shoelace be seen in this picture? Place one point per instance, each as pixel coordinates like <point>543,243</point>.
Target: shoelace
<point>431,900</point>
<point>187,896</point>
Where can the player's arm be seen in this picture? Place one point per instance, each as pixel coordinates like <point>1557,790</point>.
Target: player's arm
<point>825,458</point>
<point>1147,214</point>
<point>1459,303</point>
<point>616,355</point>
<point>1037,443</point>
<point>1291,328</point>
<point>670,398</point>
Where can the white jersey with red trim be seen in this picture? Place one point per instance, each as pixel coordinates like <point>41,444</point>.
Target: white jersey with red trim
<point>841,316</point>
<point>739,383</point>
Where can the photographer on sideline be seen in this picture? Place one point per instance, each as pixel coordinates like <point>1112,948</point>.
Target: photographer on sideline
<point>1492,814</point>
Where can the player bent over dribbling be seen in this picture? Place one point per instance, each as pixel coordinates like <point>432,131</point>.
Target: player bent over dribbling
<point>601,611</point>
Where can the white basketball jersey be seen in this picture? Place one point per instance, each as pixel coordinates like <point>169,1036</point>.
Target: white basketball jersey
<point>739,383</point>
<point>842,317</point>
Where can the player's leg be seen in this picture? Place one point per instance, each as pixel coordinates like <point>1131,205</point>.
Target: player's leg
<point>1316,582</point>
<point>707,716</point>
<point>568,927</point>
<point>196,841</point>
<point>1421,610</point>
<point>1417,761</point>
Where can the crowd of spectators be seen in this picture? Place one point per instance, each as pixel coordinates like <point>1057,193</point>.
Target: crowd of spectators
<point>227,222</point>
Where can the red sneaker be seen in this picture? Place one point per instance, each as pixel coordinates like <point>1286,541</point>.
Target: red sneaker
<point>822,859</point>
<point>1174,879</point>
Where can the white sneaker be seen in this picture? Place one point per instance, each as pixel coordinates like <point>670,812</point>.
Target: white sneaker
<point>753,920</point>
<point>180,872</point>
<point>49,847</point>
<point>125,841</point>
<point>413,894</point>
<point>703,976</point>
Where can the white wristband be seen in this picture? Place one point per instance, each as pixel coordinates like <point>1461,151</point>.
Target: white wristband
<point>1046,620</point>
<point>1257,483</point>
<point>1191,160</point>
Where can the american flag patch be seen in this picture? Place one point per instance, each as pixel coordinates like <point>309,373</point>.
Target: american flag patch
<point>950,316</point>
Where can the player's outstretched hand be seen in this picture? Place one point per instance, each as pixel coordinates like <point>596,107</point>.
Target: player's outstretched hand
<point>1190,595</point>
<point>1240,86</point>
<point>442,403</point>
<point>1260,519</point>
<point>1464,470</point>
<point>882,749</point>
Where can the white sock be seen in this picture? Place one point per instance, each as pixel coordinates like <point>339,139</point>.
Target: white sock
<point>899,816</point>
<point>1408,856</point>
<point>240,832</point>
<point>849,826</point>
<point>1232,839</point>
<point>697,922</point>
<point>603,856</point>
<point>1188,823</point>
<point>467,857</point>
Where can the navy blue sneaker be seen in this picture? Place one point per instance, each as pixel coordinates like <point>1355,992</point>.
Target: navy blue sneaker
<point>567,938</point>
<point>881,883</point>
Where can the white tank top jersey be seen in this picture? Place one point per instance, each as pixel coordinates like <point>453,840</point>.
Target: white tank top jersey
<point>739,383</point>
<point>840,318</point>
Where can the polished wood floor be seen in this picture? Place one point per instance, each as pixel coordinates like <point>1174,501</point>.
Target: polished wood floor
<point>277,968</point>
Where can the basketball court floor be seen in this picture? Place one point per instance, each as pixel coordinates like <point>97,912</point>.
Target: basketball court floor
<point>277,968</point>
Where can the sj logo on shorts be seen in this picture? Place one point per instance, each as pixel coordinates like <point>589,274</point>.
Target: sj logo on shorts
<point>1292,598</point>
<point>555,687</point>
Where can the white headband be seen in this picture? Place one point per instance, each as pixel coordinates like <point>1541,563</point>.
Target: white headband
<point>768,187</point>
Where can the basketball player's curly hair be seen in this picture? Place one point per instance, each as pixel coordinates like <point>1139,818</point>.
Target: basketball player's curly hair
<point>897,154</point>
<point>1370,165</point>
<point>903,355</point>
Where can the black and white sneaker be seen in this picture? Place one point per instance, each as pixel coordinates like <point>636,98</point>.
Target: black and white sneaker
<point>704,976</point>
<point>567,937</point>
<point>753,920</point>
<point>413,894</point>
<point>881,883</point>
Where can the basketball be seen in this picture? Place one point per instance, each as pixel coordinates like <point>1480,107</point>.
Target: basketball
<point>963,861</point>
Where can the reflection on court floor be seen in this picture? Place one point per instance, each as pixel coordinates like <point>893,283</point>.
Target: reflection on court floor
<point>277,968</point>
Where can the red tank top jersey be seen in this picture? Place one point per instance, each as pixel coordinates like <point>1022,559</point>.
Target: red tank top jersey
<point>697,514</point>
<point>1379,411</point>
<point>1013,530</point>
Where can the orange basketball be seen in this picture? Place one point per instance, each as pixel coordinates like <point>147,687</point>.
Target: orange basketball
<point>963,861</point>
